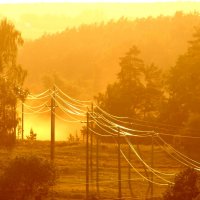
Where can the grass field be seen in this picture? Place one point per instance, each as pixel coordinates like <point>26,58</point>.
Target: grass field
<point>70,164</point>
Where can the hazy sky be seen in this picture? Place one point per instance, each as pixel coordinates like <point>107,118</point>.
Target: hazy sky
<point>36,19</point>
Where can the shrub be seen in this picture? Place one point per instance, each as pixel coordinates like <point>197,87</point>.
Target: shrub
<point>185,187</point>
<point>26,178</point>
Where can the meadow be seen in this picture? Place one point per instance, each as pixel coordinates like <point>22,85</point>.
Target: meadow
<point>70,164</point>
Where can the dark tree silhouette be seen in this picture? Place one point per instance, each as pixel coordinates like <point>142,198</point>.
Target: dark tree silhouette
<point>11,80</point>
<point>26,177</point>
<point>185,187</point>
<point>137,91</point>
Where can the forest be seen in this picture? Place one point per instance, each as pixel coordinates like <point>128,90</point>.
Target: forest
<point>94,50</point>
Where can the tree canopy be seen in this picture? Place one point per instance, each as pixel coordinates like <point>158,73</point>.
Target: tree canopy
<point>137,91</point>
<point>11,80</point>
<point>185,187</point>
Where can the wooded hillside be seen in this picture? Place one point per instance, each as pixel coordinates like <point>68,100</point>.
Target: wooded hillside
<point>85,59</point>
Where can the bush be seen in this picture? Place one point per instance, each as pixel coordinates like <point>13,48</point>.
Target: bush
<point>185,187</point>
<point>26,178</point>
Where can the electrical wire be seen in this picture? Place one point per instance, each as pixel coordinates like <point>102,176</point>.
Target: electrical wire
<point>122,133</point>
<point>72,99</point>
<point>156,183</point>
<point>150,168</point>
<point>40,94</point>
<point>116,118</point>
<point>66,120</point>
<point>70,105</point>
<point>105,130</point>
<point>33,107</point>
<point>68,111</point>
<point>125,128</point>
<point>182,156</point>
<point>30,97</point>
<point>171,155</point>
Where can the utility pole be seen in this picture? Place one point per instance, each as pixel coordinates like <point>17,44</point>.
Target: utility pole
<point>97,165</point>
<point>129,172</point>
<point>119,166</point>
<point>87,158</point>
<point>91,146</point>
<point>53,124</point>
<point>152,163</point>
<point>14,119</point>
<point>22,120</point>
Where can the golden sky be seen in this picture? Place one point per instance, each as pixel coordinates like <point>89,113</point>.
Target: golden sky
<point>36,19</point>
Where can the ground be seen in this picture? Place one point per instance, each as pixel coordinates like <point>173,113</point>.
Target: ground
<point>70,164</point>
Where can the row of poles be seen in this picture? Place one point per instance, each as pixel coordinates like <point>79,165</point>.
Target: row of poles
<point>89,152</point>
<point>89,162</point>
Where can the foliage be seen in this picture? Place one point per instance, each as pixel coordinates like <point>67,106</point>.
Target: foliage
<point>183,83</point>
<point>87,56</point>
<point>183,87</point>
<point>71,138</point>
<point>32,136</point>
<point>185,187</point>
<point>26,177</point>
<point>11,80</point>
<point>137,91</point>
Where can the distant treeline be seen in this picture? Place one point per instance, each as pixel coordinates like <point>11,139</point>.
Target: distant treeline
<point>84,60</point>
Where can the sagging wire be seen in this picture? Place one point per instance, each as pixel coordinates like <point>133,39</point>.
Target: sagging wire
<point>70,105</point>
<point>116,118</point>
<point>125,128</point>
<point>68,110</point>
<point>38,106</point>
<point>149,167</point>
<point>171,155</point>
<point>182,156</point>
<point>40,94</point>
<point>116,130</point>
<point>80,102</point>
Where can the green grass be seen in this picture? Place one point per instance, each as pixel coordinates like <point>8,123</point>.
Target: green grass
<point>70,164</point>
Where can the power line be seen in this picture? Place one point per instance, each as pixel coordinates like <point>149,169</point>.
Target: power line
<point>80,102</point>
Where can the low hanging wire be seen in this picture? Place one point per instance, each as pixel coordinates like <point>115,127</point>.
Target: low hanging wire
<point>106,121</point>
<point>114,117</point>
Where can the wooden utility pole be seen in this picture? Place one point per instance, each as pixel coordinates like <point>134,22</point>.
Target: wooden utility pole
<point>129,172</point>
<point>14,123</point>
<point>87,158</point>
<point>53,125</point>
<point>22,120</point>
<point>152,163</point>
<point>91,146</point>
<point>97,165</point>
<point>119,166</point>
